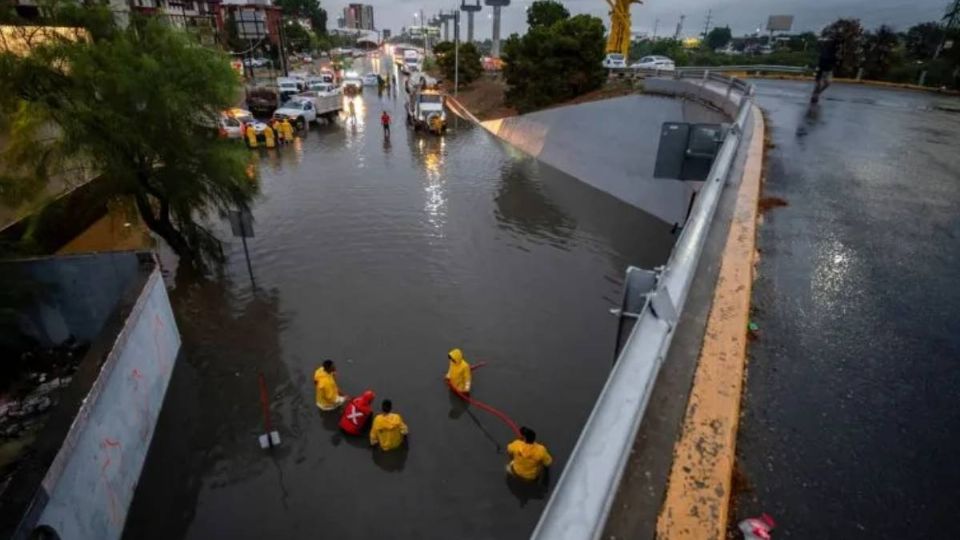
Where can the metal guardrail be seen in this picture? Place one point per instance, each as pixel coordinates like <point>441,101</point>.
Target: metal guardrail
<point>581,501</point>
<point>759,68</point>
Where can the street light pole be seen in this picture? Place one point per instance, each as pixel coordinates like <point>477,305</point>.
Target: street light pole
<point>456,52</point>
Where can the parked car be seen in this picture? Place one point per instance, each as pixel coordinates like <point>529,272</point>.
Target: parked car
<point>300,110</point>
<point>324,89</point>
<point>232,120</point>
<point>255,62</point>
<point>661,63</point>
<point>614,61</point>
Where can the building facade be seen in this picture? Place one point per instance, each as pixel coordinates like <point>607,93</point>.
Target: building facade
<point>357,17</point>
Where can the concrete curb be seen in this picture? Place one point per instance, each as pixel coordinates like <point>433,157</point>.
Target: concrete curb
<point>698,493</point>
<point>461,111</point>
<point>862,82</point>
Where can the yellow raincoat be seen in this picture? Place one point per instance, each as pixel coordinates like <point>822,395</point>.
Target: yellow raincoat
<point>251,135</point>
<point>268,137</point>
<point>529,459</point>
<point>328,395</point>
<point>459,371</point>
<point>287,129</point>
<point>387,431</point>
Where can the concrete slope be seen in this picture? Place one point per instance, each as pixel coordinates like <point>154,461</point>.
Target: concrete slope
<point>611,145</point>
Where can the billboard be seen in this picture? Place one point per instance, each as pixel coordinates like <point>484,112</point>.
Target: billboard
<point>780,23</point>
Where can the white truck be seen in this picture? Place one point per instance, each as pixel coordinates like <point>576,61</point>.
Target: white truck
<point>310,106</point>
<point>411,61</point>
<point>425,110</point>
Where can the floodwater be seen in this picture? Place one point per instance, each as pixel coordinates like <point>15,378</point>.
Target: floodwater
<point>382,255</point>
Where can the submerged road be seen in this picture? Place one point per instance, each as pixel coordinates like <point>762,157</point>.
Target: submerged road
<point>851,426</point>
<point>382,255</point>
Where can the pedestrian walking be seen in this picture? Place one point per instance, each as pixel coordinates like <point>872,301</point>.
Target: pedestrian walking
<point>385,122</point>
<point>825,66</point>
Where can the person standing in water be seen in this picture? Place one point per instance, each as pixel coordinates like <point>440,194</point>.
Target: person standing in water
<point>388,430</point>
<point>328,394</point>
<point>458,372</point>
<point>528,457</point>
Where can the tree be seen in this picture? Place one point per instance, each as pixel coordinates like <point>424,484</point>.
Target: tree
<point>552,64</point>
<point>546,13</point>
<point>881,52</point>
<point>922,40</point>
<point>718,38</point>
<point>469,58</point>
<point>847,34</point>
<point>442,48</point>
<point>802,42</point>
<point>297,37</point>
<point>306,9</point>
<point>140,104</point>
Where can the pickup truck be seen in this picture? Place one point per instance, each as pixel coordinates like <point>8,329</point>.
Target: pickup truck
<point>310,106</point>
<point>300,110</point>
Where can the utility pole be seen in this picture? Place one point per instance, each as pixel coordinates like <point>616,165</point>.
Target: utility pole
<point>676,35</point>
<point>706,26</point>
<point>456,52</point>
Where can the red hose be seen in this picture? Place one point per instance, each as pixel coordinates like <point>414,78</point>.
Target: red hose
<point>481,405</point>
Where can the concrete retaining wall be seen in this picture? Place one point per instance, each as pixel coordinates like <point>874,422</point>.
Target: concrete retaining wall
<point>710,92</point>
<point>611,145</point>
<point>88,487</point>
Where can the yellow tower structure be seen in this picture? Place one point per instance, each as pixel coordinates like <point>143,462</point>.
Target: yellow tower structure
<point>619,40</point>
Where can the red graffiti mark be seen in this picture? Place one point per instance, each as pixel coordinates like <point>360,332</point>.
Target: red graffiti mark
<point>143,405</point>
<point>108,446</point>
<point>159,328</point>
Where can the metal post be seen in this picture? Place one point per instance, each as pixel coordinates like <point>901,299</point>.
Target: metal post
<point>495,51</point>
<point>456,52</point>
<point>469,27</point>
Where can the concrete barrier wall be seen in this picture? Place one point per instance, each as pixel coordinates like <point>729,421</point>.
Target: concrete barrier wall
<point>611,145</point>
<point>716,95</point>
<point>89,486</point>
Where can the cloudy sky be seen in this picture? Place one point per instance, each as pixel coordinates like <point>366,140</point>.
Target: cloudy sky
<point>742,16</point>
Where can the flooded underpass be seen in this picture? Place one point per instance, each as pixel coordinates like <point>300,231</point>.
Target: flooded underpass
<point>382,255</point>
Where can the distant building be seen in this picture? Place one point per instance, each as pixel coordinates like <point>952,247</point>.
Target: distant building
<point>358,17</point>
<point>385,34</point>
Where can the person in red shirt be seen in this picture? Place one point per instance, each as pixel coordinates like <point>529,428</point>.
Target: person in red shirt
<point>357,413</point>
<point>385,122</point>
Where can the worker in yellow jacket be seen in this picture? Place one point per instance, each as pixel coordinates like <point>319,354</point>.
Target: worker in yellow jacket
<point>328,394</point>
<point>528,457</point>
<point>287,129</point>
<point>388,429</point>
<point>459,373</point>
<point>251,135</point>
<point>268,139</point>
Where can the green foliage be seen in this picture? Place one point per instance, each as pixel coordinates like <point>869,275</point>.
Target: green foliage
<point>848,36</point>
<point>881,52</point>
<point>546,13</point>
<point>802,42</point>
<point>553,64</point>
<point>306,9</point>
<point>469,57</point>
<point>140,105</point>
<point>442,48</point>
<point>922,40</point>
<point>718,38</point>
<point>298,38</point>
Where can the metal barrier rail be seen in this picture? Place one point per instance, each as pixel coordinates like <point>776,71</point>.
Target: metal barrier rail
<point>759,68</point>
<point>581,501</point>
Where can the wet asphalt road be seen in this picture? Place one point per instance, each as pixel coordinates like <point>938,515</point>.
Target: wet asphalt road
<point>851,426</point>
<point>382,256</point>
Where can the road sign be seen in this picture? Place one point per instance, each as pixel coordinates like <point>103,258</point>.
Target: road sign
<point>241,222</point>
<point>780,23</point>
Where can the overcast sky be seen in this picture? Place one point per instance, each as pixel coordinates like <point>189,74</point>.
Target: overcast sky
<point>742,16</point>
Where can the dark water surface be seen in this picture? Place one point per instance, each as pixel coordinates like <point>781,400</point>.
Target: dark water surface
<point>382,256</point>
